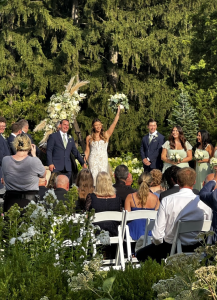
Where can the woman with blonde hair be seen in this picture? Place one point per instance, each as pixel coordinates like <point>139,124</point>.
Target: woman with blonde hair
<point>141,200</point>
<point>21,173</point>
<point>104,199</point>
<point>156,187</point>
<point>84,183</point>
<point>96,146</point>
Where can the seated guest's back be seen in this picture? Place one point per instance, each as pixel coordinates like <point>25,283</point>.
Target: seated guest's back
<point>181,206</point>
<point>208,194</point>
<point>156,187</point>
<point>85,186</point>
<point>170,180</point>
<point>141,200</point>
<point>42,187</point>
<point>21,173</point>
<point>104,198</point>
<point>62,187</point>
<point>122,190</point>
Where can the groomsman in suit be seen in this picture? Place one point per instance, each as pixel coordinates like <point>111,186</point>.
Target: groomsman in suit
<point>16,129</point>
<point>151,147</point>
<point>25,128</point>
<point>4,148</point>
<point>59,147</point>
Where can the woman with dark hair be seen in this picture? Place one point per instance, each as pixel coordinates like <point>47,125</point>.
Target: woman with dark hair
<point>202,166</point>
<point>96,146</point>
<point>177,144</point>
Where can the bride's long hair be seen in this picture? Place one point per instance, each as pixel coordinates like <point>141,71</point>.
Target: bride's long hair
<point>93,132</point>
<point>181,138</point>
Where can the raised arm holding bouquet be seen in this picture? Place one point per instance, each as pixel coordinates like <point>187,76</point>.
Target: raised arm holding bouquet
<point>97,144</point>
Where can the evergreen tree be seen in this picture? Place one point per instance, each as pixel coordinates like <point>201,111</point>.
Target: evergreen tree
<point>185,116</point>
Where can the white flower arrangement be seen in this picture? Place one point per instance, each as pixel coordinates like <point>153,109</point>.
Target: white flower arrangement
<point>198,155</point>
<point>175,157</point>
<point>213,162</point>
<point>62,106</point>
<point>118,99</point>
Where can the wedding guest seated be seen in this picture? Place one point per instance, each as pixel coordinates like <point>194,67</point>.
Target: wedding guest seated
<point>42,187</point>
<point>104,198</point>
<point>62,187</point>
<point>184,206</point>
<point>84,183</point>
<point>156,187</point>
<point>121,175</point>
<point>129,180</point>
<point>52,181</point>
<point>170,179</point>
<point>141,200</point>
<point>208,194</point>
<point>21,173</point>
<point>16,129</point>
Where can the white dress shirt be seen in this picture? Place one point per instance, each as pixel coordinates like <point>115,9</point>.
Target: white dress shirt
<point>66,136</point>
<point>152,134</point>
<point>13,134</point>
<point>184,206</point>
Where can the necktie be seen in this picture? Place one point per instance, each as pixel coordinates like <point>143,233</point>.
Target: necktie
<point>150,138</point>
<point>64,140</point>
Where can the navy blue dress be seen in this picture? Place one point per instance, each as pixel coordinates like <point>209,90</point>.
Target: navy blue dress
<point>137,227</point>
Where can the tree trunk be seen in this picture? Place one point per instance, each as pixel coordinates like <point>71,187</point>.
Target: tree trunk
<point>75,10</point>
<point>78,133</point>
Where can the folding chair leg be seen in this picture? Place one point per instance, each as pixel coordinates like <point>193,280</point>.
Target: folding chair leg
<point>129,253</point>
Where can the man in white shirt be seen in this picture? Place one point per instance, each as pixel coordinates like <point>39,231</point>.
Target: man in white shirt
<point>184,206</point>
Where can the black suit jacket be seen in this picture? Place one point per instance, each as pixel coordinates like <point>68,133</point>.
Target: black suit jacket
<point>123,190</point>
<point>10,144</point>
<point>60,193</point>
<point>173,190</point>
<point>42,191</point>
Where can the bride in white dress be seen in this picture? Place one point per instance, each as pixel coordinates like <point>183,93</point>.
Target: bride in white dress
<point>96,146</point>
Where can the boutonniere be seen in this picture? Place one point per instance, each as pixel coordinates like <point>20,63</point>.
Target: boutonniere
<point>69,136</point>
<point>155,136</point>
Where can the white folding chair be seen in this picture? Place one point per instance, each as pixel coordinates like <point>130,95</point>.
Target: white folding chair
<point>149,215</point>
<point>188,226</point>
<point>119,217</point>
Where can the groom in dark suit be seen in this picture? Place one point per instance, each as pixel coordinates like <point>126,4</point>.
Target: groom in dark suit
<point>59,147</point>
<point>151,147</point>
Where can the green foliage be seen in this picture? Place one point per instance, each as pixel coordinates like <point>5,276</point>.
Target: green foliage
<point>185,116</point>
<point>134,165</point>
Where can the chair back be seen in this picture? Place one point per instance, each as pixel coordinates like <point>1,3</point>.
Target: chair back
<point>188,226</point>
<point>108,216</point>
<point>141,214</point>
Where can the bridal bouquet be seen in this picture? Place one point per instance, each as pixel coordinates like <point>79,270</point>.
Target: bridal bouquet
<point>116,100</point>
<point>175,157</point>
<point>213,162</point>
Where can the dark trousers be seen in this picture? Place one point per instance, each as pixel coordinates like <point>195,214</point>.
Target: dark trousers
<point>158,252</point>
<point>21,198</point>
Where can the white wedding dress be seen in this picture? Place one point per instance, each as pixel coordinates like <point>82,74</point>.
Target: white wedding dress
<point>98,158</point>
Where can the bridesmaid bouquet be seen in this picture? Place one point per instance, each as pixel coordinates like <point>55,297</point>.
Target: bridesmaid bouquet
<point>213,162</point>
<point>198,155</point>
<point>175,157</point>
<point>116,100</point>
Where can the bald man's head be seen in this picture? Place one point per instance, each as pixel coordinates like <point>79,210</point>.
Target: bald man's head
<point>62,181</point>
<point>42,182</point>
